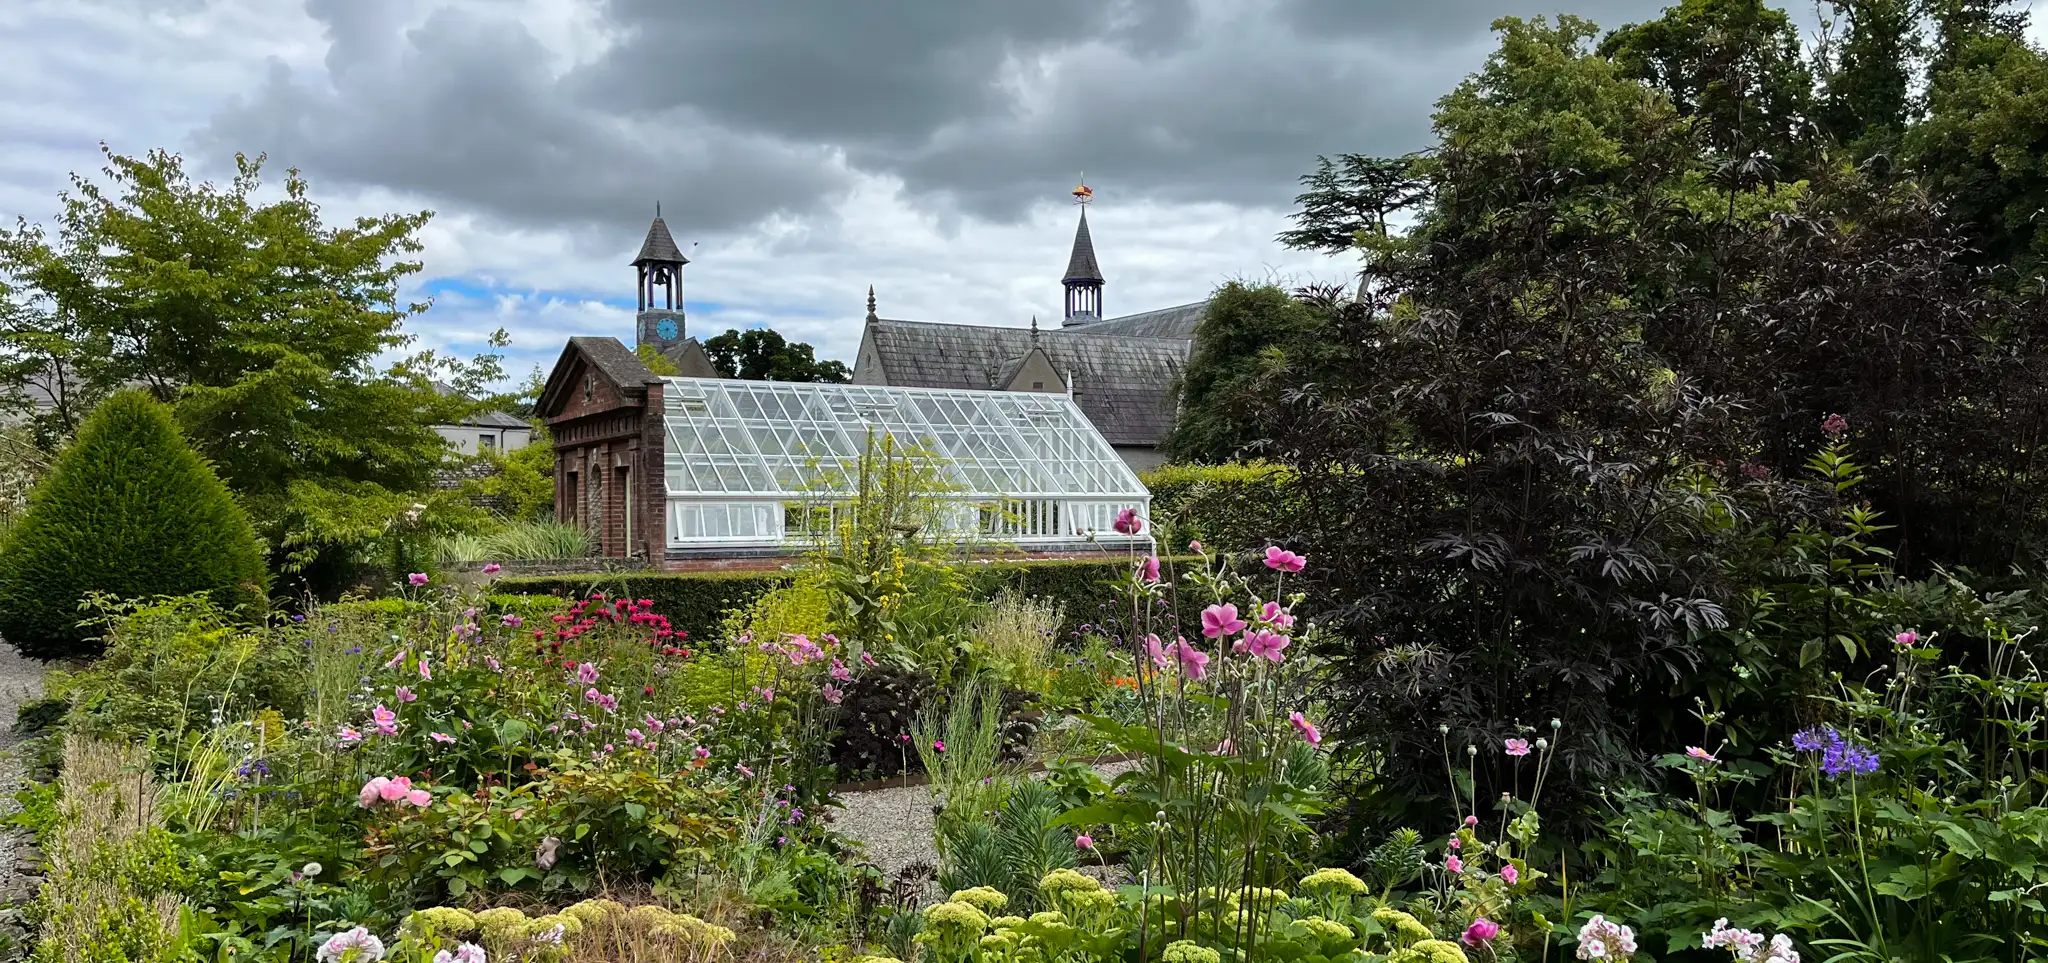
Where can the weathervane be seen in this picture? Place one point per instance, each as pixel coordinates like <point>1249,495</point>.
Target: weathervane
<point>1083,194</point>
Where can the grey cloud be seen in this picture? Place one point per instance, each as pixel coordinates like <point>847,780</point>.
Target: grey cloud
<point>731,112</point>
<point>1440,22</point>
<point>463,110</point>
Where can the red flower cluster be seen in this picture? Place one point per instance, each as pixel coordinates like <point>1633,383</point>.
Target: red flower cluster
<point>597,611</point>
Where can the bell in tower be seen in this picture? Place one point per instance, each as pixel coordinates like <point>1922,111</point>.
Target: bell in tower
<point>660,269</point>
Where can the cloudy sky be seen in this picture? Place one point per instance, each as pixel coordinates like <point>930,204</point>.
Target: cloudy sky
<point>807,148</point>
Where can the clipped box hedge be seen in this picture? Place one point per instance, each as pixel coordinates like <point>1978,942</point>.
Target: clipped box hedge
<point>698,601</point>
<point>1236,507</point>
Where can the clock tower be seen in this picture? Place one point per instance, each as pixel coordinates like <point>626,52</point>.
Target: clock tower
<point>660,270</point>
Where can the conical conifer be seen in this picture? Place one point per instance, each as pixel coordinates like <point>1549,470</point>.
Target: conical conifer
<point>131,510</point>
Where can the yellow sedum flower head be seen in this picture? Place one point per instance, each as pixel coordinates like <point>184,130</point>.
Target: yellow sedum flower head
<point>1441,951</point>
<point>689,929</point>
<point>1048,917</point>
<point>649,915</point>
<point>1006,922</point>
<point>1328,930</point>
<point>955,916</point>
<point>988,899</point>
<point>1261,898</point>
<point>594,910</point>
<point>1405,927</point>
<point>1186,951</point>
<point>1333,880</point>
<point>442,921</point>
<point>570,925</point>
<point>501,920</point>
<point>1090,899</point>
<point>1066,880</point>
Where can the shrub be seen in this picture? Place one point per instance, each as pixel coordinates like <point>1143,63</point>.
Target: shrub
<point>699,601</point>
<point>1235,507</point>
<point>132,511</point>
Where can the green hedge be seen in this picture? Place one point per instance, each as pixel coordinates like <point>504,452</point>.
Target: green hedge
<point>1237,507</point>
<point>697,601</point>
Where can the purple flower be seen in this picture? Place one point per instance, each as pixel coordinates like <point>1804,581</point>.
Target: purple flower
<point>513,621</point>
<point>417,579</point>
<point>1516,747</point>
<point>1128,522</point>
<point>493,568</point>
<point>1834,425</point>
<point>1149,568</point>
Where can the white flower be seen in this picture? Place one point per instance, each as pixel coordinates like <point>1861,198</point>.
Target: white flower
<point>310,869</point>
<point>551,935</point>
<point>353,946</point>
<point>466,953</point>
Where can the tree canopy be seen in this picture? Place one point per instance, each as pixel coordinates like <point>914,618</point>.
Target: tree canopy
<point>263,327</point>
<point>761,354</point>
<point>1560,419</point>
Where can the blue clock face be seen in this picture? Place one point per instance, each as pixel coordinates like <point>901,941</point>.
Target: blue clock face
<point>666,327</point>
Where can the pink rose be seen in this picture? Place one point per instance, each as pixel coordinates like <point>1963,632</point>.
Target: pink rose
<point>372,792</point>
<point>420,798</point>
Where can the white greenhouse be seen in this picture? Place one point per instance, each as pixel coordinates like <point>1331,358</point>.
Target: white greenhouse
<point>749,463</point>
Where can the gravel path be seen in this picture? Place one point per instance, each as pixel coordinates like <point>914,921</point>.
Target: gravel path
<point>894,826</point>
<point>21,680</point>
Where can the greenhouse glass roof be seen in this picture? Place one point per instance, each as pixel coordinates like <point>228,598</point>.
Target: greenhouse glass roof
<point>771,440</point>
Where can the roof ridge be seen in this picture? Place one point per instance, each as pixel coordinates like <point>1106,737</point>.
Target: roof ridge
<point>1081,330</point>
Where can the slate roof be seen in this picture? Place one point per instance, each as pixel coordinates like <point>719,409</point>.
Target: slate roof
<point>1127,386</point>
<point>1176,322</point>
<point>660,246</point>
<point>612,359</point>
<point>1081,264</point>
<point>615,361</point>
<point>487,419</point>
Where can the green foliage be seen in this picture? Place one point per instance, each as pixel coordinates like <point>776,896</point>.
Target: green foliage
<point>1247,330</point>
<point>1233,507</point>
<point>656,362</point>
<point>516,541</point>
<point>173,664</point>
<point>1980,147</point>
<point>1011,851</point>
<point>1734,65</point>
<point>524,481</point>
<point>760,354</point>
<point>258,321</point>
<point>130,511</point>
<point>700,601</point>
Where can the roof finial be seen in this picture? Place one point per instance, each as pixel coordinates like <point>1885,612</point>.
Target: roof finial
<point>871,302</point>
<point>1083,194</point>
<point>1034,331</point>
<point>657,208</point>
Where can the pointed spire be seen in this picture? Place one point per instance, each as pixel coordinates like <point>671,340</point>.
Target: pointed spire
<point>871,303</point>
<point>1034,331</point>
<point>660,246</point>
<point>1081,264</point>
